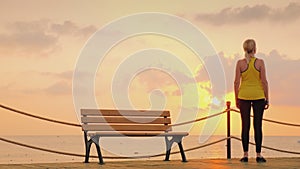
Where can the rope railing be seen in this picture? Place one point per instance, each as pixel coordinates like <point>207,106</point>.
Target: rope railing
<point>178,124</point>
<point>272,121</point>
<point>78,125</point>
<point>108,157</point>
<point>38,117</point>
<point>149,156</point>
<point>199,119</point>
<point>137,157</point>
<point>270,148</point>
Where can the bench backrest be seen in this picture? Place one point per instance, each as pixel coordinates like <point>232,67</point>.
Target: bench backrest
<point>125,120</point>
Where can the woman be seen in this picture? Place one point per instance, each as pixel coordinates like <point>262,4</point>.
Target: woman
<point>251,89</point>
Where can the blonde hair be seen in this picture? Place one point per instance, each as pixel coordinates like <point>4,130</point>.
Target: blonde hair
<point>249,48</point>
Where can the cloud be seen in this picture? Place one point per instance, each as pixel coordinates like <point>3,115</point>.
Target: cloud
<point>283,77</point>
<point>27,38</point>
<point>63,84</point>
<point>248,14</point>
<point>49,83</point>
<point>59,88</point>
<point>38,38</point>
<point>282,74</point>
<point>170,81</point>
<point>71,28</point>
<point>66,75</point>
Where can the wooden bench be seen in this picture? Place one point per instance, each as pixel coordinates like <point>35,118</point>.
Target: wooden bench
<point>128,123</point>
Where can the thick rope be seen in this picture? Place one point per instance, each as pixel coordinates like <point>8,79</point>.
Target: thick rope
<point>273,121</point>
<point>108,157</point>
<point>178,124</point>
<point>157,155</point>
<point>41,149</point>
<point>270,148</point>
<point>200,119</point>
<point>38,117</point>
<point>148,156</point>
<point>78,125</point>
<point>205,145</point>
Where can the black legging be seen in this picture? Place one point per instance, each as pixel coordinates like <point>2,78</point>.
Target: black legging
<point>258,111</point>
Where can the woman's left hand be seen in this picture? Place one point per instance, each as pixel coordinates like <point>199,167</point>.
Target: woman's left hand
<point>266,104</point>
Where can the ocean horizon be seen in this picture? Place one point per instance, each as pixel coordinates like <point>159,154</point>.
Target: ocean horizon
<point>14,154</point>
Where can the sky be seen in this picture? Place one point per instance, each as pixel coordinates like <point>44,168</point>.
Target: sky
<point>41,41</point>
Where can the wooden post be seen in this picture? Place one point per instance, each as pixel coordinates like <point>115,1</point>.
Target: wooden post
<point>228,131</point>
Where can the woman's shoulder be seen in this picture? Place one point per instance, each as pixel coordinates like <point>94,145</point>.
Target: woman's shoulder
<point>259,60</point>
<point>241,60</point>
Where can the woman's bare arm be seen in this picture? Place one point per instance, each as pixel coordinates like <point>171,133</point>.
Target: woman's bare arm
<point>237,82</point>
<point>263,78</point>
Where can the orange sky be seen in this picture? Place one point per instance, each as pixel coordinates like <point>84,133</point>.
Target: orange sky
<point>40,43</point>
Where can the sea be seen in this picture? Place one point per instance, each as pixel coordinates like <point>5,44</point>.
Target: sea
<point>130,147</point>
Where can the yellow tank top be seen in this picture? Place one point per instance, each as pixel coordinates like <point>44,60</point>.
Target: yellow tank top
<point>251,86</point>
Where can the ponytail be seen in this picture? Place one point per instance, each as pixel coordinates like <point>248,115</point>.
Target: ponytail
<point>249,48</point>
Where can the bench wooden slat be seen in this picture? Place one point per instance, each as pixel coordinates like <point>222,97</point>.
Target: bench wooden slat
<point>120,123</point>
<point>107,112</point>
<point>140,134</point>
<point>135,120</point>
<point>95,127</point>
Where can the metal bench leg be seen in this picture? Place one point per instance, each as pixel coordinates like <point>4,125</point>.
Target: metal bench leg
<point>169,143</point>
<point>97,144</point>
<point>168,148</point>
<point>87,148</point>
<point>182,152</point>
